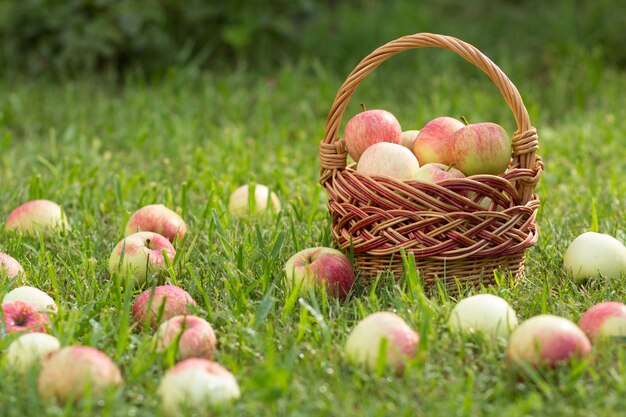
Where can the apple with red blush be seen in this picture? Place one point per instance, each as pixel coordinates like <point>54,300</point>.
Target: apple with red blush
<point>9,266</point>
<point>546,340</point>
<point>196,387</point>
<point>433,144</point>
<point>19,316</point>
<point>71,373</point>
<point>34,296</point>
<point>321,266</point>
<point>435,172</point>
<point>389,160</point>
<point>481,148</point>
<point>194,336</point>
<point>139,254</point>
<point>604,320</point>
<point>43,217</point>
<point>364,344</point>
<point>158,219</point>
<point>161,303</point>
<point>369,127</point>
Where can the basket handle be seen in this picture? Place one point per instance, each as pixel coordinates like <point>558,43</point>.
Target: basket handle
<point>333,155</point>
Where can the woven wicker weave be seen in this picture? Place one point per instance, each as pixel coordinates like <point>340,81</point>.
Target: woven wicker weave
<point>458,229</point>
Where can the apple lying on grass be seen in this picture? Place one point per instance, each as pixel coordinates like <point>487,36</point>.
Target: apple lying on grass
<point>365,342</point>
<point>481,148</point>
<point>241,203</point>
<point>194,335</point>
<point>29,350</point>
<point>73,372</point>
<point>435,172</point>
<point>9,266</point>
<point>37,216</point>
<point>196,386</point>
<point>370,127</point>
<point>19,316</point>
<point>388,159</point>
<point>34,296</point>
<point>595,254</point>
<point>487,314</point>
<point>434,142</point>
<point>161,303</point>
<point>158,219</point>
<point>546,340</point>
<point>604,320</point>
<point>139,254</point>
<point>326,267</point>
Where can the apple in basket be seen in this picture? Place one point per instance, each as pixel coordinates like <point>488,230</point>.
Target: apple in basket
<point>433,144</point>
<point>435,172</point>
<point>370,127</point>
<point>407,138</point>
<point>481,148</point>
<point>388,159</point>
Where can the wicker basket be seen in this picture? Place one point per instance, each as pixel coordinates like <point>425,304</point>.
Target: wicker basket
<point>458,229</point>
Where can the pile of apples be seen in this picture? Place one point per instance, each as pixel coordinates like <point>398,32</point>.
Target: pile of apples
<point>444,148</point>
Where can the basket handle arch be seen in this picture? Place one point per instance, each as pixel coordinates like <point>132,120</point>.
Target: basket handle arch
<point>525,141</point>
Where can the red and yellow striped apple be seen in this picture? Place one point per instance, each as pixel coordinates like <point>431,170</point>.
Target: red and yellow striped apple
<point>370,127</point>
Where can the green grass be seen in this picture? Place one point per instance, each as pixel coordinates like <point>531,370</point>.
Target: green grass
<point>188,140</point>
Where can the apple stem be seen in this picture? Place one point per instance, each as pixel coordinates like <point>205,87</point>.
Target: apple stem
<point>449,167</point>
<point>363,107</point>
<point>464,120</point>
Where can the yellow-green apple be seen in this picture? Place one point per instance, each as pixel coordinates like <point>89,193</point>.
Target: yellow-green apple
<point>388,159</point>
<point>159,219</point>
<point>364,344</point>
<point>434,142</point>
<point>481,148</point>
<point>196,386</point>
<point>487,314</point>
<point>194,335</point>
<point>29,350</point>
<point>161,303</point>
<point>19,316</point>
<point>75,371</point>
<point>407,138</point>
<point>242,204</point>
<point>37,216</point>
<point>322,266</point>
<point>435,172</point>
<point>139,254</point>
<point>595,254</point>
<point>9,266</point>
<point>370,127</point>
<point>546,340</point>
<point>606,319</point>
<point>34,296</point>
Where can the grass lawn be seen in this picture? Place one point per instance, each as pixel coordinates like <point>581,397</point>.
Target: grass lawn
<point>188,140</point>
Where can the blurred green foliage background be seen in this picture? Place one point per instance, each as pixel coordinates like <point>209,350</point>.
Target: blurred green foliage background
<point>69,37</point>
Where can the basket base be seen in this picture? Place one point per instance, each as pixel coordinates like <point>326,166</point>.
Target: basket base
<point>474,272</point>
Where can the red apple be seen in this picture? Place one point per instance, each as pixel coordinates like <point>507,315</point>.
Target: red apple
<point>388,159</point>
<point>321,266</point>
<point>140,253</point>
<point>196,386</point>
<point>37,216</point>
<point>434,142</point>
<point>158,219</point>
<point>75,371</point>
<point>364,342</point>
<point>370,127</point>
<point>434,173</point>
<point>196,338</point>
<point>546,340</point>
<point>481,148</point>
<point>606,319</point>
<point>9,266</point>
<point>23,317</point>
<point>168,300</point>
